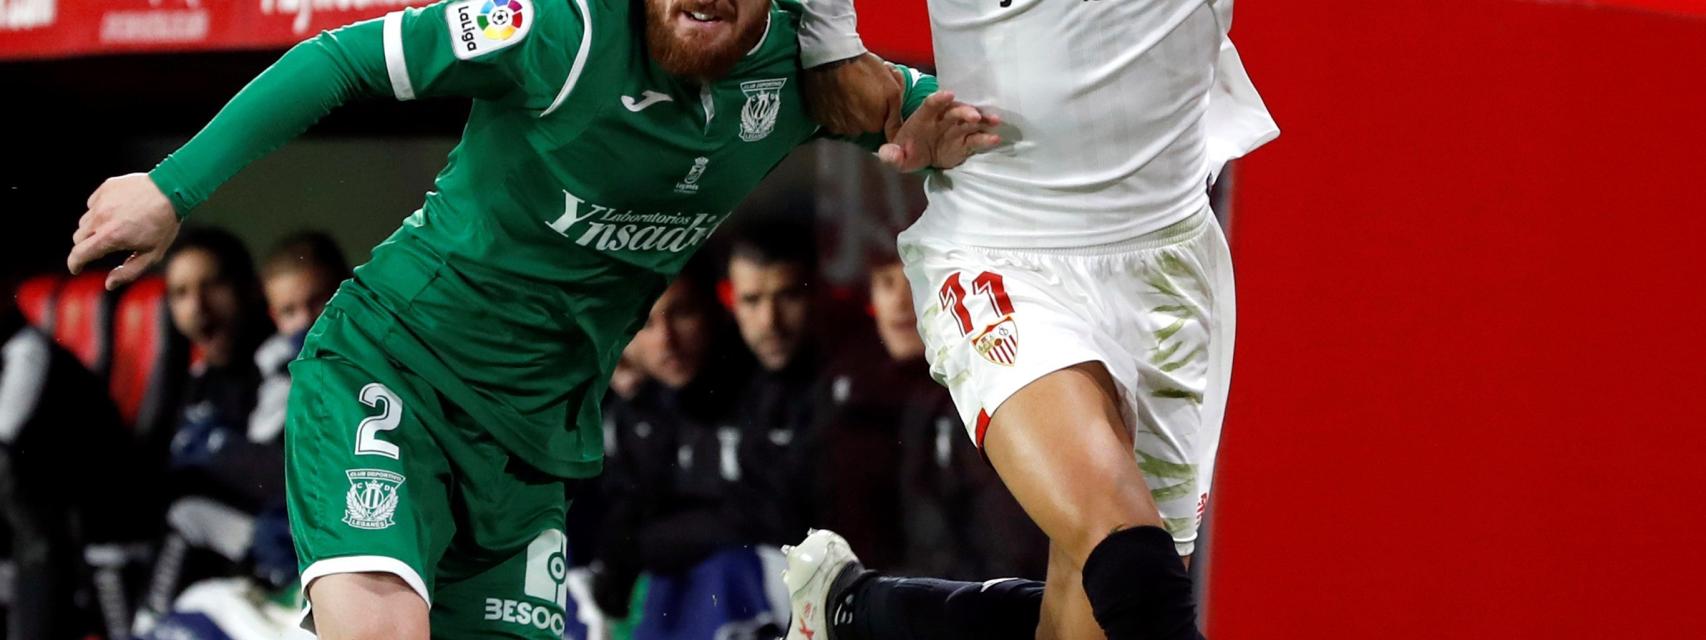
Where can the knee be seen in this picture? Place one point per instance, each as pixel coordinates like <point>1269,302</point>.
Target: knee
<point>1126,508</point>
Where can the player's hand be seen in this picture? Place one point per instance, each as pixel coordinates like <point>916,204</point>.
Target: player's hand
<point>941,133</point>
<point>127,213</point>
<point>855,96</point>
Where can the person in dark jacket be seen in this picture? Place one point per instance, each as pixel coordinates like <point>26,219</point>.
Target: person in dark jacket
<point>218,478</point>
<point>774,294</point>
<point>908,491</point>
<point>69,479</point>
<point>669,478</point>
<point>216,302</point>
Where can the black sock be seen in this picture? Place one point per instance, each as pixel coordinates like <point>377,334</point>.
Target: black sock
<point>873,607</point>
<point>1138,587</point>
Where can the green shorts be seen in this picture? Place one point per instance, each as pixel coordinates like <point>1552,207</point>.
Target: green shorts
<point>385,475</point>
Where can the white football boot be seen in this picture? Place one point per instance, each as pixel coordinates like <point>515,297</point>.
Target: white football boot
<point>811,576</point>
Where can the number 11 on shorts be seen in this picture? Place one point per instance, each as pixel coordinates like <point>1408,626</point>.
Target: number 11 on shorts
<point>953,297</point>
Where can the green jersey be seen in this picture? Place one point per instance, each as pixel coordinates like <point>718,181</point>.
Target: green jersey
<point>585,179</point>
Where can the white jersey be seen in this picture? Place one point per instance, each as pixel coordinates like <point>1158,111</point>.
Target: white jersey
<point>1109,133</point>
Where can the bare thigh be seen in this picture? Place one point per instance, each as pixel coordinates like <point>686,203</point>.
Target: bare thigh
<point>367,606</point>
<point>1064,451</point>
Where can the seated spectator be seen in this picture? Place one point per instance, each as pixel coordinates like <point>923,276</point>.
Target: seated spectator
<point>218,477</point>
<point>773,291</point>
<point>861,399</point>
<point>298,277</point>
<point>69,480</point>
<point>958,519</point>
<point>216,303</point>
<point>902,482</point>
<point>677,510</point>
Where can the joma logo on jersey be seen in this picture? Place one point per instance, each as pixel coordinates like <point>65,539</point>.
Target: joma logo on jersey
<point>611,229</point>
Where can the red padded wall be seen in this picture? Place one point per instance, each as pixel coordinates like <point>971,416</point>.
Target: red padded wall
<point>141,334</point>
<point>1470,398</point>
<point>81,318</point>
<point>36,298</point>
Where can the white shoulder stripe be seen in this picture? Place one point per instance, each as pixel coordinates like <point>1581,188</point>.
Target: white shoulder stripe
<point>580,59</point>
<point>26,357</point>
<point>394,63</point>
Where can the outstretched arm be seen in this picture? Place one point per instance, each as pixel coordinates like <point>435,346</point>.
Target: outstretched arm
<point>407,54</point>
<point>140,212</point>
<point>311,80</point>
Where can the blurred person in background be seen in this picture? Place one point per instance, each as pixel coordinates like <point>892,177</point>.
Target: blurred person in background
<point>218,478</point>
<point>860,401</point>
<point>70,478</point>
<point>297,277</point>
<point>684,512</point>
<point>217,303</point>
<point>958,521</point>
<point>774,293</point>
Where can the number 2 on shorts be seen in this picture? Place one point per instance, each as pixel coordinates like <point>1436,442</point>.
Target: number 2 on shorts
<point>367,442</point>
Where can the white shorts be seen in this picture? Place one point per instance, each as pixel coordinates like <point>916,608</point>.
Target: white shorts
<point>1157,311</point>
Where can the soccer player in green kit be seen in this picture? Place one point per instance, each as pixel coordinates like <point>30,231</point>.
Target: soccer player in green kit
<point>447,400</point>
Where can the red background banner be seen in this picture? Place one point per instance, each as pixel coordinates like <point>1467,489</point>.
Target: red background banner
<point>899,29</point>
<point>62,28</point>
<point>59,28</point>
<point>1468,398</point>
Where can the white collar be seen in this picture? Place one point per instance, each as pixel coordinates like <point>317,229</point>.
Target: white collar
<point>766,35</point>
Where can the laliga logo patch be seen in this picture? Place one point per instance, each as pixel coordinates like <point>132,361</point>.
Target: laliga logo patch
<point>372,499</point>
<point>482,26</point>
<point>999,342</point>
<point>500,21</point>
<point>763,103</point>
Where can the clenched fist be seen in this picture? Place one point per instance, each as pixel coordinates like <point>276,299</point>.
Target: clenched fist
<point>127,213</point>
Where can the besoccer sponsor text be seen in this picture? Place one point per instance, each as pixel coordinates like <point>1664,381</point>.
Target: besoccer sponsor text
<point>526,613</point>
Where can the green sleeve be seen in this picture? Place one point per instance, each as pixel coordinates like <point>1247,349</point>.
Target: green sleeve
<point>310,80</point>
<point>438,50</point>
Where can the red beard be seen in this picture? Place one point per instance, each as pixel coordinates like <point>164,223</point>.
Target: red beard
<point>692,57</point>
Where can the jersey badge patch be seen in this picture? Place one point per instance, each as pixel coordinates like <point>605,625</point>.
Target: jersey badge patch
<point>372,499</point>
<point>999,342</point>
<point>763,103</point>
<point>690,184</point>
<point>478,27</point>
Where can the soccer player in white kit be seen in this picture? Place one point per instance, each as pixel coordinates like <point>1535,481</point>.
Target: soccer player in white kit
<point>1076,297</point>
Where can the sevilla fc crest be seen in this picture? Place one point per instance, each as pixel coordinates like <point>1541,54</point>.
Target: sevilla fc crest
<point>999,342</point>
